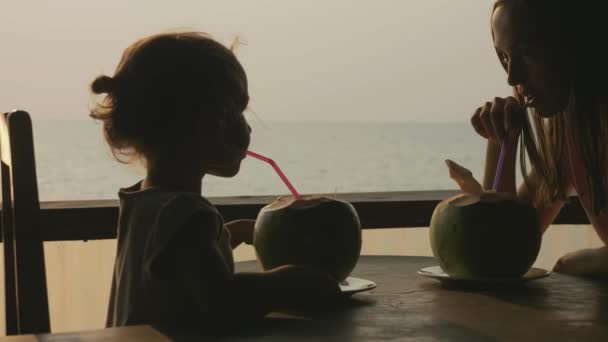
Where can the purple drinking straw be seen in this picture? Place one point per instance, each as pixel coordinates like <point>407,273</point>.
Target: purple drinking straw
<point>501,160</point>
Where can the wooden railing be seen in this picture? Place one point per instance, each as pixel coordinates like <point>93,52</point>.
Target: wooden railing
<point>96,219</point>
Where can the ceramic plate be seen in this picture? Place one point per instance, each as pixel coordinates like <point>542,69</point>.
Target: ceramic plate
<point>436,272</point>
<point>353,285</point>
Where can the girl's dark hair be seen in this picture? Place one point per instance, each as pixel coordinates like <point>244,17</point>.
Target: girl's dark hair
<point>164,88</point>
<point>574,30</point>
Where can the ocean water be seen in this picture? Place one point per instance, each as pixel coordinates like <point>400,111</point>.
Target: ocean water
<point>74,163</point>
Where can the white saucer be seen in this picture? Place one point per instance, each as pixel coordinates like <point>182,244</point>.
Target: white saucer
<point>352,285</point>
<point>436,272</point>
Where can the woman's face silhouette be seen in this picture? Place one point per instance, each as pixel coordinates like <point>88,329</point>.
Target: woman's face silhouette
<point>534,66</point>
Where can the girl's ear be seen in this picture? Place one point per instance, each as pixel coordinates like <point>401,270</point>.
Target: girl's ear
<point>212,135</point>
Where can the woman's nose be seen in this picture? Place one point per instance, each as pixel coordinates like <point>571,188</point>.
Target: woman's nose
<point>516,73</point>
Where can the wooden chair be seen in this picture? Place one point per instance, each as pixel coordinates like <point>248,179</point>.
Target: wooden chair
<point>27,308</point>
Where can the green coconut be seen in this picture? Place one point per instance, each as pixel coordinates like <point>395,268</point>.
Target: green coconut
<point>491,235</point>
<point>317,231</point>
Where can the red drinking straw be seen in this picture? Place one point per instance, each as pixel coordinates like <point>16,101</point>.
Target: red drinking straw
<point>274,165</point>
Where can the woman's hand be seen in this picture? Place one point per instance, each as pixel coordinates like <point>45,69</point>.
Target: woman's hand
<point>241,231</point>
<point>589,262</point>
<point>500,119</point>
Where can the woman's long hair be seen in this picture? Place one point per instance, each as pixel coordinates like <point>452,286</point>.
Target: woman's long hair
<point>576,28</point>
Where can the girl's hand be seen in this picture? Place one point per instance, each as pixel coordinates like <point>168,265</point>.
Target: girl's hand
<point>285,288</point>
<point>500,119</point>
<point>241,231</point>
<point>305,286</point>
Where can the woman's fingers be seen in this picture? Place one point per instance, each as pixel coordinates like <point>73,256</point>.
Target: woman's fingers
<point>498,120</point>
<point>497,115</point>
<point>486,121</point>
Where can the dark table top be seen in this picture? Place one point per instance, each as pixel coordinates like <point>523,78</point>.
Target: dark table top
<point>408,307</point>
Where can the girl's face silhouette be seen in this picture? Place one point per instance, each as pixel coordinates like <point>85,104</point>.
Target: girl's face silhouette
<point>534,66</point>
<point>229,139</point>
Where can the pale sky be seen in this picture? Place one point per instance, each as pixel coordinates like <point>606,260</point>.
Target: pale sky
<point>338,60</point>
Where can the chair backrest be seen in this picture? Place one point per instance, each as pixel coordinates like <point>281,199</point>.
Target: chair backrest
<point>27,308</point>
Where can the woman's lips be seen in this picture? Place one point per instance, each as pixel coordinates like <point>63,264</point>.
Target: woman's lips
<point>530,100</point>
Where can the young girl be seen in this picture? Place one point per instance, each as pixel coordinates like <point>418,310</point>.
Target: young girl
<point>176,104</point>
<point>554,53</point>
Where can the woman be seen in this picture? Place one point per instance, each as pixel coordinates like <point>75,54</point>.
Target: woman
<point>554,53</point>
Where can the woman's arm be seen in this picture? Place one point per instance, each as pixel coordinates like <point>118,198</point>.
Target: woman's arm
<point>547,213</point>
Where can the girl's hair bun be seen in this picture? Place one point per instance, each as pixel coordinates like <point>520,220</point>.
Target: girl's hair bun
<point>102,85</point>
